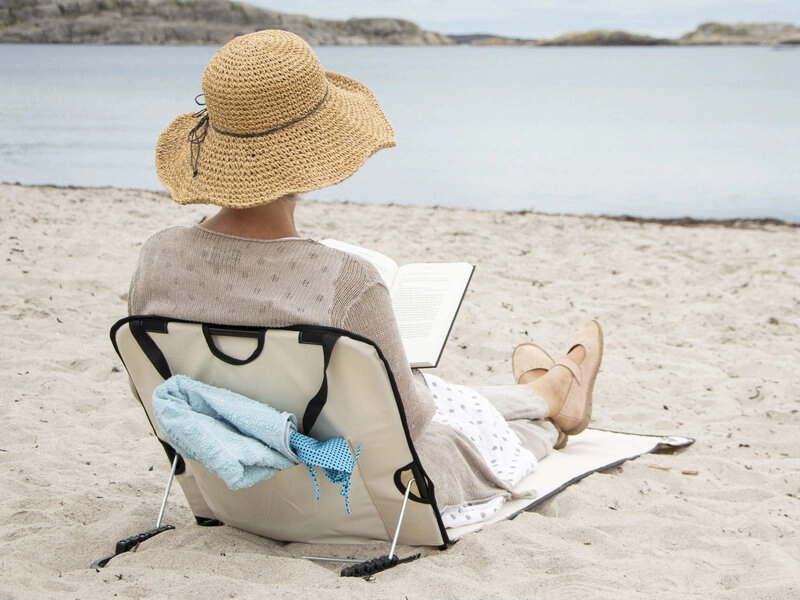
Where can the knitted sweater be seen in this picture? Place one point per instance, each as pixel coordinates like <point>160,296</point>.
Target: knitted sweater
<point>194,274</point>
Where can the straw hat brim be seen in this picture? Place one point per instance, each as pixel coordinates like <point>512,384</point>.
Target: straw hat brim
<point>323,149</point>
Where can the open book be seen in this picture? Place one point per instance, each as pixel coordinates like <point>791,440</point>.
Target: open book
<point>425,296</point>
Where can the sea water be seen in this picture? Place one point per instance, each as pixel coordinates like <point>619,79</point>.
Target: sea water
<point>709,132</point>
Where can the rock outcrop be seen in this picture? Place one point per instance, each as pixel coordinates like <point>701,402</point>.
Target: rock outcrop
<point>487,39</point>
<point>706,34</point>
<point>212,22</point>
<point>743,33</point>
<point>604,38</point>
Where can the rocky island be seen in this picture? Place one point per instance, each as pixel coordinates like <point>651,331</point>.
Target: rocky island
<point>214,22</point>
<point>774,34</point>
<point>706,34</point>
<point>198,22</point>
<point>604,38</point>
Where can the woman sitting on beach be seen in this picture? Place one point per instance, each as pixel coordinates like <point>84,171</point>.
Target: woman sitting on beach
<point>277,125</point>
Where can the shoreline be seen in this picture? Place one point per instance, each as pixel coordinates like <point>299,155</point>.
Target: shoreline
<point>685,221</point>
<point>702,339</point>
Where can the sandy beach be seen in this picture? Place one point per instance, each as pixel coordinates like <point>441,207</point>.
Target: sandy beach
<point>702,328</point>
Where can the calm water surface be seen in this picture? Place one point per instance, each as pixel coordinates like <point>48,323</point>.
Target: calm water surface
<point>656,132</point>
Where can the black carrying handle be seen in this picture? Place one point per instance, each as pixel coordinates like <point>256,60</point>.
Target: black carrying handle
<point>209,331</point>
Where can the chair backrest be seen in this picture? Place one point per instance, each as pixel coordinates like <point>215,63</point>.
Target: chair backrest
<point>337,385</point>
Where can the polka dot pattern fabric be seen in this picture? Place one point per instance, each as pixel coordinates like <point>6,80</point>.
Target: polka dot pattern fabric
<point>472,513</point>
<point>332,456</point>
<point>465,410</point>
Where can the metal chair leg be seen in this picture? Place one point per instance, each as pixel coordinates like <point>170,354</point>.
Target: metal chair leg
<point>400,520</point>
<point>376,565</point>
<point>166,491</point>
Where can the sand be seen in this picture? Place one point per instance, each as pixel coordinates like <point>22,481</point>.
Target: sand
<point>702,332</point>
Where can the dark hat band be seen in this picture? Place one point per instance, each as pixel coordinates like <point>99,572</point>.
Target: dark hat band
<point>198,133</point>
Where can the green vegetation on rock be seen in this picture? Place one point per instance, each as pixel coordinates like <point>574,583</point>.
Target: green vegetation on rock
<point>604,38</point>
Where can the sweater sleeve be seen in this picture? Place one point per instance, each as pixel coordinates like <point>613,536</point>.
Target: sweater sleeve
<point>452,462</point>
<point>370,314</point>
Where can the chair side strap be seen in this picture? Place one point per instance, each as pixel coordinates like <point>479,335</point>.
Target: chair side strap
<point>316,404</point>
<point>150,348</point>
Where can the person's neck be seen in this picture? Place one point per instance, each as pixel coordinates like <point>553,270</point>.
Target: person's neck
<point>265,222</point>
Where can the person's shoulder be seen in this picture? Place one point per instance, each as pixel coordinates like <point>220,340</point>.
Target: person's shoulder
<point>174,232</point>
<point>166,240</point>
<point>352,264</point>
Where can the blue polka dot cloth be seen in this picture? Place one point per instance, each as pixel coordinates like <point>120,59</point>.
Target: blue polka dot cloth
<point>332,456</point>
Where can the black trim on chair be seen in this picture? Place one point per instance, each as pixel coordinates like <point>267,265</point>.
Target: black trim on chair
<point>171,454</point>
<point>420,479</point>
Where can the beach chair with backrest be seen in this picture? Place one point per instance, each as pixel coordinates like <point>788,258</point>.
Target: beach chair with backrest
<point>337,385</point>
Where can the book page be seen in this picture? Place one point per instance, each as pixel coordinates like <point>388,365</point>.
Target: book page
<point>385,266</point>
<point>426,298</point>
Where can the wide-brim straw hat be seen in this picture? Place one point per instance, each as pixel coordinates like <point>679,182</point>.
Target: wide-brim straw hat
<point>275,123</point>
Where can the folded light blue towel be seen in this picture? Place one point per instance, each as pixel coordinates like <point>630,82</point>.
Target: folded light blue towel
<point>241,440</point>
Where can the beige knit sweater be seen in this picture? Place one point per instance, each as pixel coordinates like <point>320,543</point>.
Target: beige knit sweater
<point>198,275</point>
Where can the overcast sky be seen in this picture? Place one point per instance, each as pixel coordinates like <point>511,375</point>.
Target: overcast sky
<point>547,18</point>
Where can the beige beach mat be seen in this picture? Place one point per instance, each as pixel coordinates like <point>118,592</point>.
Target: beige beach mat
<point>592,451</point>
